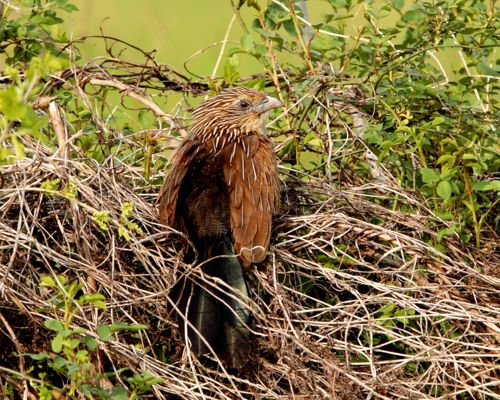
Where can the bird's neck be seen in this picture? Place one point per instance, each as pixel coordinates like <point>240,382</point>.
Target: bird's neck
<point>220,136</point>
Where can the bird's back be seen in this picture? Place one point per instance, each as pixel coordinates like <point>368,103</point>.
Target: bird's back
<point>203,199</point>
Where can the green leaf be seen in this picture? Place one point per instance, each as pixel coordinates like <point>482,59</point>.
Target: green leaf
<point>290,27</point>
<point>444,190</point>
<point>123,233</point>
<point>232,69</point>
<point>51,185</point>
<point>90,342</point>
<point>260,50</point>
<point>47,280</point>
<point>33,124</point>
<point>40,356</point>
<point>73,289</point>
<point>403,314</point>
<point>373,135</point>
<point>387,310</point>
<point>59,363</point>
<point>444,215</point>
<point>144,381</point>
<point>18,147</point>
<point>119,393</point>
<point>412,367</point>
<point>413,15</point>
<point>70,7</point>
<point>102,219</point>
<point>137,327</point>
<point>445,158</point>
<point>78,330</point>
<point>96,299</point>
<point>446,232</point>
<point>82,356</point>
<point>247,43</point>
<point>53,64</point>
<point>438,121</point>
<point>11,72</point>
<point>127,208</point>
<point>57,343</point>
<point>70,190</point>
<point>313,140</point>
<point>469,156</point>
<point>11,103</point>
<point>123,326</point>
<point>134,227</point>
<point>54,325</point>
<point>468,204</point>
<point>62,280</point>
<point>486,186</point>
<point>105,332</point>
<point>6,155</point>
<point>429,175</point>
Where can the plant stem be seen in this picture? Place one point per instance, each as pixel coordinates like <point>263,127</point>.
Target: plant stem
<point>468,190</point>
<point>307,53</point>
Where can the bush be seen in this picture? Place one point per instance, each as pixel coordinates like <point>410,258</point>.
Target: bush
<point>382,279</point>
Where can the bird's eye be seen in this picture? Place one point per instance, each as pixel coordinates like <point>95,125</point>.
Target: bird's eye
<point>244,103</point>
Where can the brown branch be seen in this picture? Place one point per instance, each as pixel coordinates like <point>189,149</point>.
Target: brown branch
<point>59,129</point>
<point>136,96</point>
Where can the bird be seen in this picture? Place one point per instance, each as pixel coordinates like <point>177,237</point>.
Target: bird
<point>222,191</point>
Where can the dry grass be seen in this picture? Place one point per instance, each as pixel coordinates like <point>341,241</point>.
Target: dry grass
<point>352,302</point>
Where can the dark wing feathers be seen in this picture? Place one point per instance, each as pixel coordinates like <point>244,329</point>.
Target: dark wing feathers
<point>181,162</point>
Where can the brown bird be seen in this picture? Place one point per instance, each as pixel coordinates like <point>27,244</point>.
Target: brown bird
<point>222,191</point>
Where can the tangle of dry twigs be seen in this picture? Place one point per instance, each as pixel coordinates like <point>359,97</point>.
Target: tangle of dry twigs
<point>352,302</point>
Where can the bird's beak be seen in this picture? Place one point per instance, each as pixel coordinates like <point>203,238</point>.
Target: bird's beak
<point>268,104</point>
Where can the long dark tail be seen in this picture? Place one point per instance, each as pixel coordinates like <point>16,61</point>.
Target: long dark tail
<point>215,317</point>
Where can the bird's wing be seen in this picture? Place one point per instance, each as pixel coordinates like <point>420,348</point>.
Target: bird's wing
<point>253,184</point>
<point>181,161</point>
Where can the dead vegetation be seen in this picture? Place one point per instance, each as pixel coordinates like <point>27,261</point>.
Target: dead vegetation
<point>354,300</point>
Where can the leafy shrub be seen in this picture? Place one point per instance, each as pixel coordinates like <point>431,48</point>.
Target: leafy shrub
<point>389,159</point>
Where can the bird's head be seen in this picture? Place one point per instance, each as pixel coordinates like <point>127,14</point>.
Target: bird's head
<point>239,109</point>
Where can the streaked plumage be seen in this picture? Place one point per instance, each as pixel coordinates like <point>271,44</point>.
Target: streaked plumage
<point>222,191</point>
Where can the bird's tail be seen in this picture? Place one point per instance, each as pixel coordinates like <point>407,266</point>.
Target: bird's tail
<point>213,308</point>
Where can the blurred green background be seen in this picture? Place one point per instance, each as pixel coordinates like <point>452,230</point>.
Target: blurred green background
<point>176,30</point>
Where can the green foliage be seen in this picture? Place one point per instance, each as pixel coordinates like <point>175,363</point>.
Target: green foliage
<point>30,44</point>
<point>102,219</point>
<point>51,185</point>
<point>142,383</point>
<point>433,121</point>
<point>106,332</point>
<point>72,347</point>
<point>231,69</point>
<point>127,226</point>
<point>390,315</point>
<point>425,85</point>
